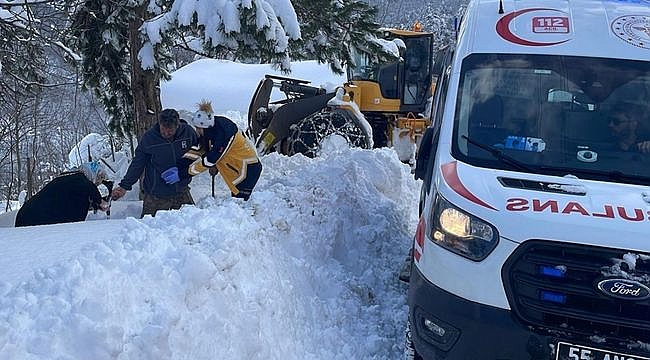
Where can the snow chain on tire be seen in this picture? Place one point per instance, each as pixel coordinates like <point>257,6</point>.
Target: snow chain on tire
<point>307,135</point>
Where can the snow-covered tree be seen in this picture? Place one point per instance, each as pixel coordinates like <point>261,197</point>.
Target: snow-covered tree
<point>100,33</point>
<point>126,43</point>
<point>438,17</point>
<point>41,109</point>
<point>21,52</point>
<point>22,71</point>
<point>331,29</point>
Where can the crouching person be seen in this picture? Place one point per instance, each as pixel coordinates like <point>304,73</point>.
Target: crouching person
<point>224,147</point>
<point>67,198</point>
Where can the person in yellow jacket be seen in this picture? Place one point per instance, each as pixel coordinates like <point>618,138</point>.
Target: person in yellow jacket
<point>222,146</point>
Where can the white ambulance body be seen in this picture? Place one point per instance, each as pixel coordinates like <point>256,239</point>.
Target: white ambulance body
<point>534,239</point>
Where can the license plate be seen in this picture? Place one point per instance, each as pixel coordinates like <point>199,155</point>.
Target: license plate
<point>566,351</point>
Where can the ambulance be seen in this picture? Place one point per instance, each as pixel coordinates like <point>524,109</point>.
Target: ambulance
<point>534,235</point>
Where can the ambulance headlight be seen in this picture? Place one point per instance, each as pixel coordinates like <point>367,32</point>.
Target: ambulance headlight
<point>461,232</point>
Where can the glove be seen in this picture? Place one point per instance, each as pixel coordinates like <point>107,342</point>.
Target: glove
<point>171,175</point>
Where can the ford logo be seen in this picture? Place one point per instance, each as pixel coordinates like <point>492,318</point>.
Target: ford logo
<point>624,289</point>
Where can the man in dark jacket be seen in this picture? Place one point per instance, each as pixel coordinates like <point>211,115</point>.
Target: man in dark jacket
<point>159,149</point>
<point>67,198</point>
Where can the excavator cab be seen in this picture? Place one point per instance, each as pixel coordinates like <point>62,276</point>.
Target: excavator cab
<point>391,97</point>
<point>399,86</point>
<point>394,94</point>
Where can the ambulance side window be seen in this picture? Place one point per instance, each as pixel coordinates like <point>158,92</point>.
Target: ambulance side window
<point>426,146</point>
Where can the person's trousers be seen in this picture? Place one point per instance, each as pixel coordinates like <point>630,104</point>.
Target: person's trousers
<point>151,204</point>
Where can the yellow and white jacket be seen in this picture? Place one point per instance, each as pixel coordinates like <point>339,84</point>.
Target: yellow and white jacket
<point>226,148</point>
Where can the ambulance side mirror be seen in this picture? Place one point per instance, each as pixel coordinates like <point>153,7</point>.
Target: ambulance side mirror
<point>424,154</point>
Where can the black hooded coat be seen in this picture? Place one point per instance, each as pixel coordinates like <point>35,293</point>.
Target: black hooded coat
<point>67,198</point>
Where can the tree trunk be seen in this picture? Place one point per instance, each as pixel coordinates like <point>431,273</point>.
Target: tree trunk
<point>30,177</point>
<point>17,141</point>
<point>145,83</point>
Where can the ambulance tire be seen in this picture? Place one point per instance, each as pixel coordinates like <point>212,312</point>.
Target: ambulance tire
<point>409,349</point>
<point>306,137</point>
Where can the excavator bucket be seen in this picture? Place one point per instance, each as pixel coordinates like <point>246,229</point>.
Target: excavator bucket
<point>258,118</point>
<point>271,122</point>
<point>287,115</point>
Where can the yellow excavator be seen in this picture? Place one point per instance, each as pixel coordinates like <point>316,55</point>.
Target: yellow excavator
<point>381,104</point>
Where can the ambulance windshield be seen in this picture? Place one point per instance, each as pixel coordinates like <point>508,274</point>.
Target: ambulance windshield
<point>557,115</point>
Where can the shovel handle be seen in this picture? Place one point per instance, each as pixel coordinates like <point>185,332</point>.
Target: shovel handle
<point>212,185</point>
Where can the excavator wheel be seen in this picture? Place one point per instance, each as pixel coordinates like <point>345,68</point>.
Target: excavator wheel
<point>307,135</point>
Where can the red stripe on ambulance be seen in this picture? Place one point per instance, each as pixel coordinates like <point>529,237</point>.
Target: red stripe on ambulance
<point>418,247</point>
<point>450,174</point>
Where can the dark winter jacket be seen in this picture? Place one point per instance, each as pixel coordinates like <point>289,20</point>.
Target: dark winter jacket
<point>67,198</point>
<point>218,137</point>
<point>153,155</point>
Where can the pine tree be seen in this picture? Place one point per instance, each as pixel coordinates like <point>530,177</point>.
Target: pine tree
<point>126,43</point>
<point>331,29</point>
<point>100,32</point>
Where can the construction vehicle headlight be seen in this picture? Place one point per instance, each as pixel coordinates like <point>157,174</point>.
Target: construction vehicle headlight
<point>461,232</point>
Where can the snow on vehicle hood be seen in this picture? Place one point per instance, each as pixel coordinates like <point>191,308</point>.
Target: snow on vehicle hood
<point>525,206</point>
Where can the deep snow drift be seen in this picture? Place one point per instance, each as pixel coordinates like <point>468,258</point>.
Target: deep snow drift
<point>307,269</point>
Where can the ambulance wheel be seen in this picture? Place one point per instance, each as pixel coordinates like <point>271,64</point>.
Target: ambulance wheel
<point>307,136</point>
<point>409,349</point>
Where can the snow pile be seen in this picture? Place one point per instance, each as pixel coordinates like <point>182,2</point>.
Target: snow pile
<point>230,86</point>
<point>306,269</point>
<point>9,205</point>
<point>92,147</point>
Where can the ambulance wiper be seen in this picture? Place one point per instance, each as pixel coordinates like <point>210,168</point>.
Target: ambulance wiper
<point>498,154</point>
<point>610,175</point>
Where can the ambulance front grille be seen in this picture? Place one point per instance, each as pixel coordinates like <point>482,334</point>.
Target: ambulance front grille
<point>554,286</point>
